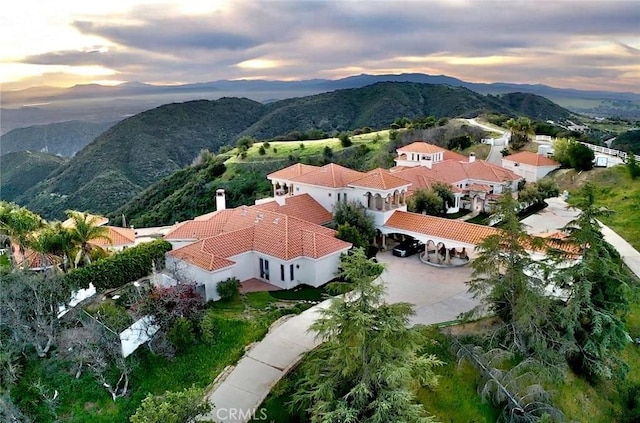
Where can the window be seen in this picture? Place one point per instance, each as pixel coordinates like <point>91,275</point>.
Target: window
<point>344,196</point>
<point>291,272</point>
<point>282,272</point>
<point>297,188</point>
<point>329,194</point>
<point>264,268</point>
<point>338,196</point>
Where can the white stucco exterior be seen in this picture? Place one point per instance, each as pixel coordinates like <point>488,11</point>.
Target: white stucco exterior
<point>529,172</point>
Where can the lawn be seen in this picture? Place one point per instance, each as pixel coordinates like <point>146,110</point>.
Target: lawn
<point>242,322</point>
<point>283,149</point>
<point>615,191</point>
<point>4,260</point>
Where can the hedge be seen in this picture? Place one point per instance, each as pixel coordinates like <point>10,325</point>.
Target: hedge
<point>121,268</point>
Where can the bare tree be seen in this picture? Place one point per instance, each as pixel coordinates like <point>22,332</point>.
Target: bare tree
<point>29,308</point>
<point>94,346</point>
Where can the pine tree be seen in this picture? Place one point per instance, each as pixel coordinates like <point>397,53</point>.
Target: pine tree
<point>369,364</point>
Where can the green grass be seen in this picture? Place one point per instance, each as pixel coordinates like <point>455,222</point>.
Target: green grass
<point>480,219</point>
<point>618,192</point>
<point>454,400</point>
<point>457,215</point>
<point>4,261</point>
<point>244,320</point>
<point>282,149</point>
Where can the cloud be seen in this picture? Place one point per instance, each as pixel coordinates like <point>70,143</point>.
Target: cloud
<point>521,41</point>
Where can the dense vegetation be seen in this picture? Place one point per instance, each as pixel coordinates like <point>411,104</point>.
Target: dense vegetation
<point>629,141</point>
<point>62,139</point>
<point>534,106</point>
<point>143,149</point>
<point>21,170</point>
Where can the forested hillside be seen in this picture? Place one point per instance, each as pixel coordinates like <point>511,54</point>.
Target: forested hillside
<point>144,148</point>
<point>62,139</point>
<point>21,170</point>
<point>534,106</point>
<point>629,141</point>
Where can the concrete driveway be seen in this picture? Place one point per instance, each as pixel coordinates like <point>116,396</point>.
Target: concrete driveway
<point>438,294</point>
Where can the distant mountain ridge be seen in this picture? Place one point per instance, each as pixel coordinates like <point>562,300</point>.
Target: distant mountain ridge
<point>21,170</point>
<point>62,139</point>
<point>144,148</point>
<point>600,102</point>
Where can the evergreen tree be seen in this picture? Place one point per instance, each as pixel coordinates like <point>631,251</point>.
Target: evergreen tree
<point>598,286</point>
<point>511,284</point>
<point>369,364</point>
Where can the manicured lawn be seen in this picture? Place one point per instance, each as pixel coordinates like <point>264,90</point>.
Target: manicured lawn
<point>458,215</point>
<point>4,261</point>
<point>480,219</point>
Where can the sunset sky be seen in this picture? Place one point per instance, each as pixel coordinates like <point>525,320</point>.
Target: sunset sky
<point>590,44</point>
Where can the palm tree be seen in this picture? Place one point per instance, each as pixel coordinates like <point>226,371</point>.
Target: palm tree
<point>85,227</point>
<point>53,240</point>
<point>521,129</point>
<point>18,223</point>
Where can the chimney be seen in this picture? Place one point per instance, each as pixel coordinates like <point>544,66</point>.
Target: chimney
<point>221,202</point>
<point>472,157</point>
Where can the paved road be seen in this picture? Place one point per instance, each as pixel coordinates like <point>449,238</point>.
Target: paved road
<point>495,155</point>
<point>439,295</point>
<point>557,216</point>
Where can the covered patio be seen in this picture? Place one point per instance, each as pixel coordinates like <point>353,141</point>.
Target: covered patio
<point>447,243</point>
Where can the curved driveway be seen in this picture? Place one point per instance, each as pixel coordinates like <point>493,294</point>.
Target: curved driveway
<point>439,295</point>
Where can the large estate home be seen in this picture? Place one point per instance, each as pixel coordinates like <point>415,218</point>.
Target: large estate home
<point>282,240</point>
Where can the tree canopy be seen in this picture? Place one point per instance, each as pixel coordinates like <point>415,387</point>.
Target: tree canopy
<point>370,361</point>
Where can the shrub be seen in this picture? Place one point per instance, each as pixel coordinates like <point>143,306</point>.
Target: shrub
<point>301,146</point>
<point>209,327</point>
<point>113,316</point>
<point>172,407</point>
<point>122,268</point>
<point>228,289</point>
<point>266,145</point>
<point>262,151</point>
<point>345,141</point>
<point>181,334</point>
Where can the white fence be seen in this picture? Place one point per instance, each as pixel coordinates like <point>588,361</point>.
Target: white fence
<point>609,151</point>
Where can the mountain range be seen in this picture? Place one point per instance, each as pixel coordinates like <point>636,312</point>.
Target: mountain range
<point>142,149</point>
<point>93,102</point>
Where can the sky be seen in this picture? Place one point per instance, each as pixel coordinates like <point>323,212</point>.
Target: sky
<point>583,44</point>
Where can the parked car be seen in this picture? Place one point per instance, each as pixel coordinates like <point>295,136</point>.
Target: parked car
<point>407,248</point>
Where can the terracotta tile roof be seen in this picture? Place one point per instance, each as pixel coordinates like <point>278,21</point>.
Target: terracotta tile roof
<point>195,255</point>
<point>421,178</point>
<point>531,158</point>
<point>33,259</point>
<point>292,171</point>
<point>454,171</point>
<point>330,175</point>
<point>456,230</point>
<point>380,179</point>
<point>420,147</point>
<point>117,237</point>
<point>236,231</point>
<point>452,155</point>
<point>302,206</point>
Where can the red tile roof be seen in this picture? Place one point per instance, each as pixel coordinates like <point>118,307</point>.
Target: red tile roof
<point>456,230</point>
<point>302,206</point>
<point>421,178</point>
<point>330,175</point>
<point>117,237</point>
<point>452,155</point>
<point>531,158</point>
<point>292,171</point>
<point>478,187</point>
<point>235,231</point>
<point>380,179</point>
<point>454,171</point>
<point>420,147</point>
